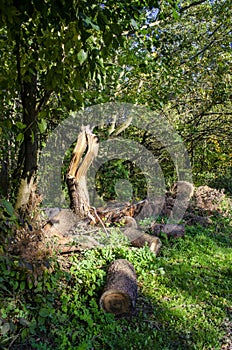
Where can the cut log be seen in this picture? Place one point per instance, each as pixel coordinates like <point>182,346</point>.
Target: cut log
<point>138,238</point>
<point>154,243</point>
<point>120,293</point>
<point>171,230</point>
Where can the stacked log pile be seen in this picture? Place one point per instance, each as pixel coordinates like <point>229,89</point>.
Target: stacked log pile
<point>208,198</point>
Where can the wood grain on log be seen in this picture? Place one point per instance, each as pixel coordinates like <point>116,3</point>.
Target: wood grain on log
<point>77,153</point>
<point>120,293</point>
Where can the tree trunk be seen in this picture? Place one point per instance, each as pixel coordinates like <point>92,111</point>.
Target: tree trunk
<point>29,148</point>
<point>4,179</point>
<point>31,106</point>
<point>120,293</point>
<point>76,176</point>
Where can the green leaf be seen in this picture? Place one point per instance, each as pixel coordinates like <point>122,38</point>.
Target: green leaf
<point>44,312</point>
<point>20,125</point>
<point>22,285</point>
<point>175,14</point>
<point>24,322</point>
<point>100,62</point>
<point>89,23</point>
<point>134,24</point>
<point>8,207</point>
<point>83,346</point>
<point>82,55</point>
<point>42,125</point>
<point>20,137</point>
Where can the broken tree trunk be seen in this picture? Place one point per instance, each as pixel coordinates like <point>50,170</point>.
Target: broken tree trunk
<point>79,165</point>
<point>121,289</point>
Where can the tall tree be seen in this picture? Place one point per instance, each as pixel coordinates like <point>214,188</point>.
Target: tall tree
<point>180,63</point>
<point>52,50</point>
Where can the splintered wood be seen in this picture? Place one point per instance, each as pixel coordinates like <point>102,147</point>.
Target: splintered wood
<point>120,293</point>
<point>77,171</point>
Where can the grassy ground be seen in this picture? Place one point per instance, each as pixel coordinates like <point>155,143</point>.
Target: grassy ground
<point>185,296</point>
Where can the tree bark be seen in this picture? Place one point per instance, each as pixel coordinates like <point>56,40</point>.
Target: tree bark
<point>4,179</point>
<point>120,293</point>
<point>76,175</point>
<point>31,106</point>
<point>29,148</point>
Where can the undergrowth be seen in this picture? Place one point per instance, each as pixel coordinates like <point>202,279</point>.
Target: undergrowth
<point>184,296</point>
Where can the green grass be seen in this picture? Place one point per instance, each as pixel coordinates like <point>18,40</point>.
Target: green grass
<point>184,296</point>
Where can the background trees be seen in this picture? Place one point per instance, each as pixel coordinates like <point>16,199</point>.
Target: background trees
<point>59,56</point>
<point>51,51</point>
<point>180,65</point>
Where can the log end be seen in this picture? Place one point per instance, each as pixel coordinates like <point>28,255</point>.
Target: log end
<point>120,293</point>
<point>155,245</point>
<point>116,302</point>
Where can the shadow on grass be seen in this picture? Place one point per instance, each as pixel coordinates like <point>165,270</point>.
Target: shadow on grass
<point>184,294</point>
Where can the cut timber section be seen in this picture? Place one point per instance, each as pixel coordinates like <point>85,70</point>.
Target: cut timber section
<point>138,238</point>
<point>120,293</point>
<point>77,171</point>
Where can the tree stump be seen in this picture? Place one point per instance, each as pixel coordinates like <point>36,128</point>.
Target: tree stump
<point>77,171</point>
<point>120,293</point>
